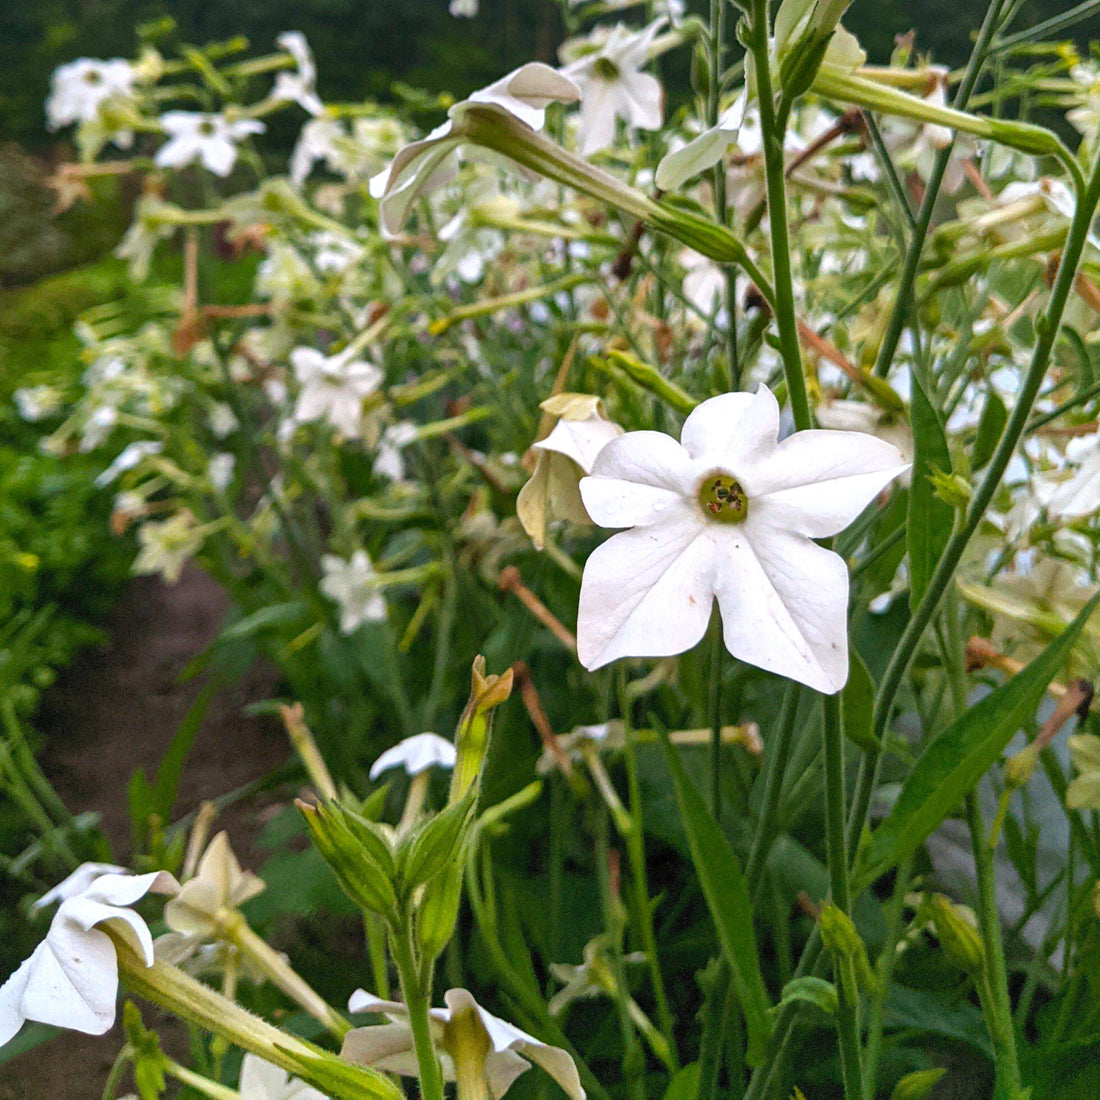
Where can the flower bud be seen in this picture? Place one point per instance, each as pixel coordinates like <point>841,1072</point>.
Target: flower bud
<point>838,933</point>
<point>917,1086</point>
<point>475,725</point>
<point>958,937</point>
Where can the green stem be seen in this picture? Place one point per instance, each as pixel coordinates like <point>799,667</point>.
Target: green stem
<point>418,1001</point>
<point>999,1008</point>
<point>635,849</point>
<point>773,126</point>
<point>201,1084</point>
<point>847,1016</point>
<point>714,714</point>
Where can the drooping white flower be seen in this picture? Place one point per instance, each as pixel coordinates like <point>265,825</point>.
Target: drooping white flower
<point>333,388</point>
<point>80,88</point>
<point>562,457</point>
<point>729,513</point>
<point>71,979</point>
<point>463,1032</point>
<point>416,754</point>
<point>261,1080</point>
<point>426,164</point>
<point>219,883</point>
<point>77,883</point>
<point>353,586</point>
<point>613,85</point>
<point>299,86</point>
<point>704,151</point>
<point>209,139</point>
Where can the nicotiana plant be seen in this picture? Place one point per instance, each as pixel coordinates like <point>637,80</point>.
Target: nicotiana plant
<point>780,794</point>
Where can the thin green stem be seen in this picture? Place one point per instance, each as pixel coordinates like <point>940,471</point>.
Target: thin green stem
<point>418,1001</point>
<point>635,849</point>
<point>714,714</point>
<point>904,299</point>
<point>773,127</point>
<point>847,1016</point>
<point>999,1008</point>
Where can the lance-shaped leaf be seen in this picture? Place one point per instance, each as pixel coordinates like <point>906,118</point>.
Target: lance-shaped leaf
<point>728,900</point>
<point>952,764</point>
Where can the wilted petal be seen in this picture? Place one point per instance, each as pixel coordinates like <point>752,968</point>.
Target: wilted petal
<point>817,482</point>
<point>646,592</point>
<point>784,604</point>
<point>11,997</point>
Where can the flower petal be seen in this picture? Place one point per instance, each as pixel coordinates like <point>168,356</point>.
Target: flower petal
<point>73,980</point>
<point>646,593</point>
<point>784,604</point>
<point>817,482</point>
<point>387,1047</point>
<point>736,430</point>
<point>640,478</point>
<point>12,1017</point>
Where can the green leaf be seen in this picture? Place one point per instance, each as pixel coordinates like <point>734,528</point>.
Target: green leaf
<point>267,618</point>
<point>167,782</point>
<point>953,763</point>
<point>930,519</point>
<point>809,990</point>
<point>917,1086</point>
<point>858,703</point>
<point>728,900</point>
<point>684,1084</point>
<point>992,422</point>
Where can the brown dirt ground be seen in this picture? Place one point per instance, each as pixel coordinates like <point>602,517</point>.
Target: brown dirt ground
<point>116,709</point>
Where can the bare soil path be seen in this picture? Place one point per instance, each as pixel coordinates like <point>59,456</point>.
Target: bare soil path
<point>116,709</point>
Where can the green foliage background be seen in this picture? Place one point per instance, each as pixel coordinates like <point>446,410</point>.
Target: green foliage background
<point>362,46</point>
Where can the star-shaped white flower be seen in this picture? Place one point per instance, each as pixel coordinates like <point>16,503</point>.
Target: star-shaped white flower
<point>416,754</point>
<point>71,979</point>
<point>299,86</point>
<point>729,513</point>
<point>613,85</point>
<point>209,139</point>
<point>353,585</point>
<point>462,1030</point>
<point>79,89</point>
<point>333,388</point>
<point>423,165</point>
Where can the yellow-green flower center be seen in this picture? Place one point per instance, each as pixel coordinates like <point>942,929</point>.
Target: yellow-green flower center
<point>723,499</point>
<point>605,69</point>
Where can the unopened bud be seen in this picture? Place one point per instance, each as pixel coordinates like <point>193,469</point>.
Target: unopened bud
<point>838,933</point>
<point>958,937</point>
<point>917,1086</point>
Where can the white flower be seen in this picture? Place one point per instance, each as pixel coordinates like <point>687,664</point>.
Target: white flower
<point>568,451</point>
<point>219,884</point>
<point>300,86</point>
<point>353,585</point>
<point>613,85</point>
<point>388,462</point>
<point>35,403</point>
<point>316,141</point>
<point>704,151</point>
<point>333,388</point>
<point>127,459</point>
<point>462,1032</point>
<point>261,1080</point>
<point>729,513</point>
<point>220,470</point>
<point>209,139</point>
<point>416,754</point>
<point>426,164</point>
<point>463,9</point>
<point>1080,495</point>
<point>77,883</point>
<point>167,545</point>
<point>71,979</point>
<point>79,89</point>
